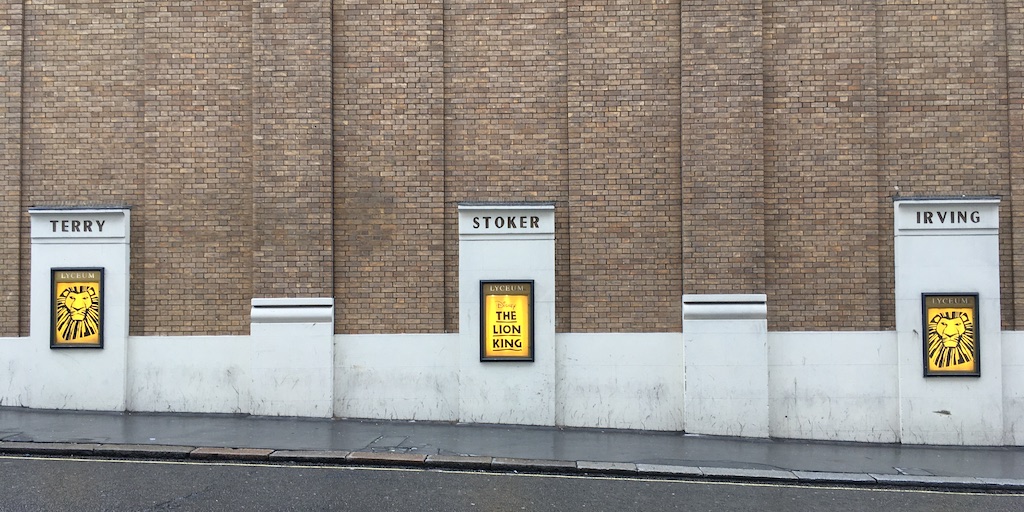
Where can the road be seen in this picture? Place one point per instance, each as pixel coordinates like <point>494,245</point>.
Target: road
<point>59,484</point>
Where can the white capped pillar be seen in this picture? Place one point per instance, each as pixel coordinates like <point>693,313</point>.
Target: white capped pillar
<point>79,308</point>
<point>507,254</point>
<point>947,312</point>
<point>291,363</point>
<point>725,340</point>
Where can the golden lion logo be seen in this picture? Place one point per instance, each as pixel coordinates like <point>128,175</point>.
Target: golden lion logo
<point>78,313</point>
<point>950,339</point>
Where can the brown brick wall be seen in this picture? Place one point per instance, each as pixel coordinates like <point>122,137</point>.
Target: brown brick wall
<point>723,160</point>
<point>389,215</point>
<point>823,203</point>
<point>13,295</point>
<point>1013,310</point>
<point>196,271</point>
<point>82,127</point>
<point>624,160</point>
<point>292,149</point>
<point>313,148</point>
<point>943,111</point>
<point>505,114</point>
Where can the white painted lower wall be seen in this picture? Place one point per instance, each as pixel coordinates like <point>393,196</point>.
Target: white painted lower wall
<point>188,374</point>
<point>15,372</point>
<point>397,376</point>
<point>840,386</point>
<point>623,381</point>
<point>604,380</point>
<point>1013,387</point>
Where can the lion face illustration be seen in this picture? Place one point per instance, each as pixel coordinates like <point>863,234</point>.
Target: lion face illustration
<point>950,339</point>
<point>78,313</point>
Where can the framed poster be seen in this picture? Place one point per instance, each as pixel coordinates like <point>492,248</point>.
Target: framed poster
<point>506,320</point>
<point>951,345</point>
<point>76,308</point>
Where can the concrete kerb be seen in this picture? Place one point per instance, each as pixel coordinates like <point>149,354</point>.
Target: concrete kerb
<point>485,463</point>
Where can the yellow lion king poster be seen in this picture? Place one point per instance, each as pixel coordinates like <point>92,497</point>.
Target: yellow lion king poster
<point>951,337</point>
<point>77,308</point>
<point>506,316</point>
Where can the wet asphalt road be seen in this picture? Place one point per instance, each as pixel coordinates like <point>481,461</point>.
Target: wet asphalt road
<point>59,484</point>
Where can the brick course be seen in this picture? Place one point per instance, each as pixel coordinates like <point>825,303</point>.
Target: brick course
<point>624,160</point>
<point>1013,310</point>
<point>505,118</point>
<point>823,205</point>
<point>943,110</point>
<point>723,159</point>
<point>389,181</point>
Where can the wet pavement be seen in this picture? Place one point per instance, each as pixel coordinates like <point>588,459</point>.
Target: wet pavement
<point>503,447</point>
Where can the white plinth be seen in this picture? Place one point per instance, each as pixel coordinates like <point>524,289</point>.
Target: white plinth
<point>726,351</point>
<point>292,358</point>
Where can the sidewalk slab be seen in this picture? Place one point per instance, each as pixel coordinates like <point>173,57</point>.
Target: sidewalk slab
<point>460,461</point>
<point>48,448</point>
<point>926,480</point>
<point>669,470</point>
<point>751,474</point>
<point>1008,484</point>
<point>820,477</point>
<point>622,468</point>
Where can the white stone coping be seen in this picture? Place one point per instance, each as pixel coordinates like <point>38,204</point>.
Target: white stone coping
<point>292,310</point>
<point>739,306</point>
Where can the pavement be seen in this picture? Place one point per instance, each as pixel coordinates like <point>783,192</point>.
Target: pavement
<point>434,445</point>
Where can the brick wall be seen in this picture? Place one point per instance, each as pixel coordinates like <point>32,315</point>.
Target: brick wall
<point>292,163</point>
<point>624,160</point>
<point>313,148</point>
<point>13,295</point>
<point>723,159</point>
<point>823,203</point>
<point>197,214</point>
<point>1013,310</point>
<point>505,116</point>
<point>943,121</point>
<point>389,182</point>
<point>82,128</point>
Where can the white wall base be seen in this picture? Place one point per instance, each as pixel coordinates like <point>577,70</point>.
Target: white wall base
<point>726,344</point>
<point>620,381</point>
<point>204,374</point>
<point>15,372</point>
<point>292,357</point>
<point>1013,387</point>
<point>397,376</point>
<point>835,386</point>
